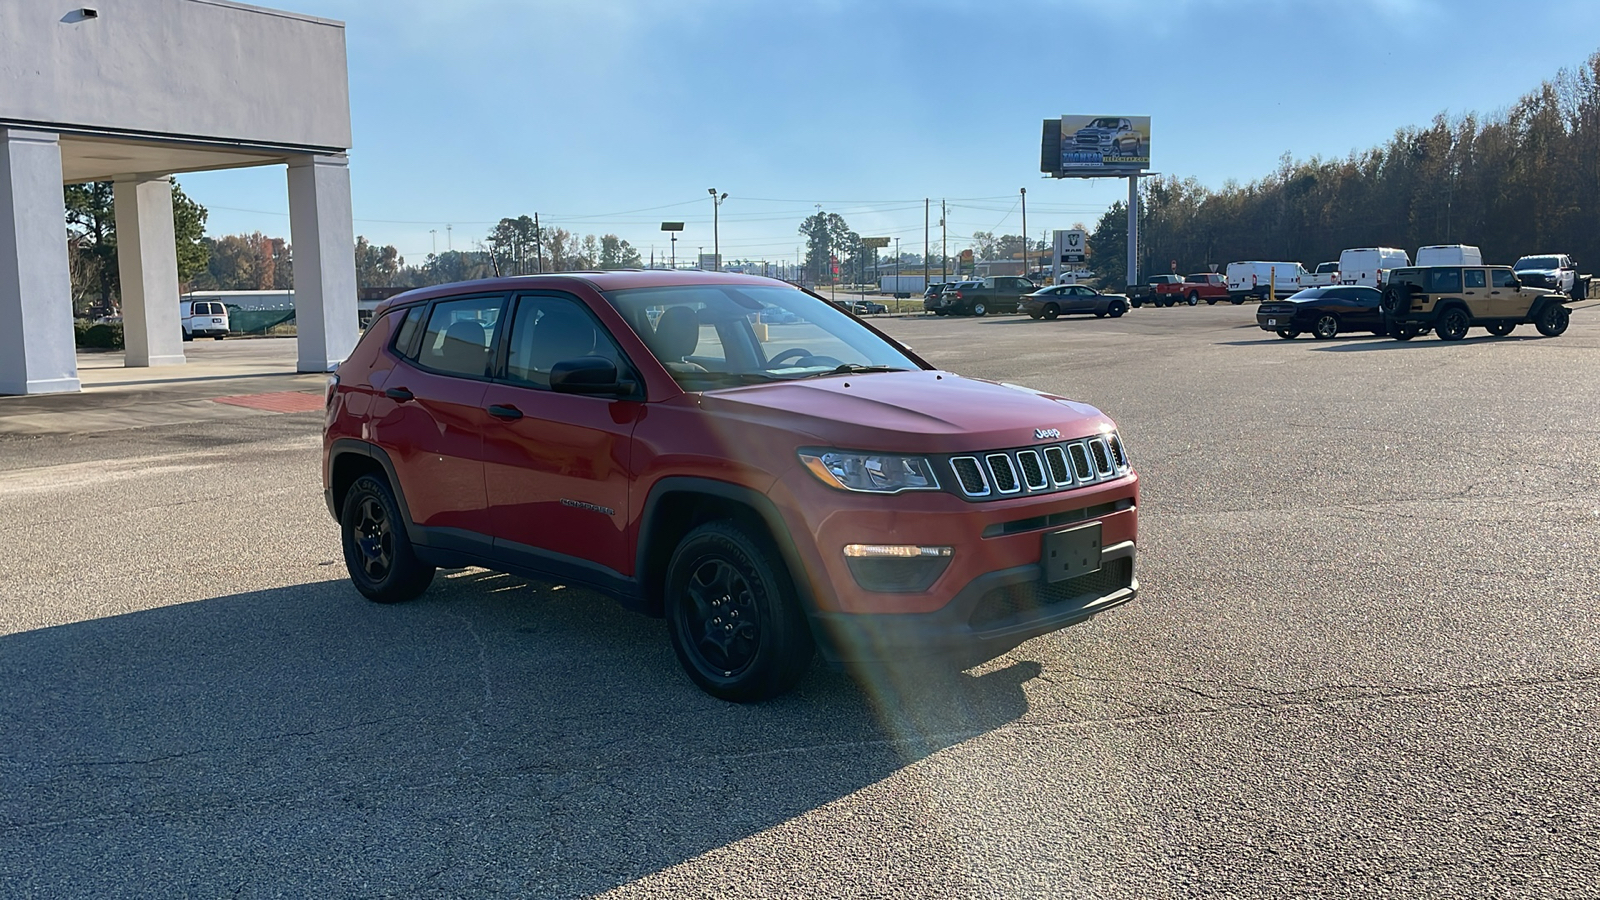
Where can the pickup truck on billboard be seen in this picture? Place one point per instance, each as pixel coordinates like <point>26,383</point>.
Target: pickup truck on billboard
<point>1089,143</point>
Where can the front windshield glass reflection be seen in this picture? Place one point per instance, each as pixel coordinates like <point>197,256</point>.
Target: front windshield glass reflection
<point>711,336</point>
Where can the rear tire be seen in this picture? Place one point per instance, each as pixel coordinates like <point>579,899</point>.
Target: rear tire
<point>1553,320</point>
<point>1501,329</point>
<point>1453,325</point>
<point>734,615</point>
<point>1194,297</point>
<point>377,550</point>
<point>1116,309</point>
<point>1288,334</point>
<point>1211,301</point>
<point>1326,327</point>
<point>1403,332</point>
<point>978,309</point>
<point>1051,311</point>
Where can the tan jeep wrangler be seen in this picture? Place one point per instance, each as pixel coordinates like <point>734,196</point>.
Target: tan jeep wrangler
<point>1451,299</point>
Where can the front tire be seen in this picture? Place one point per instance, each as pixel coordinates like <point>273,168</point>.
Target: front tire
<point>377,551</point>
<point>1553,320</point>
<point>734,615</point>
<point>1453,325</point>
<point>1326,326</point>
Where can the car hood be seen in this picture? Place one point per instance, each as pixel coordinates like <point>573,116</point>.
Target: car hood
<point>922,411</point>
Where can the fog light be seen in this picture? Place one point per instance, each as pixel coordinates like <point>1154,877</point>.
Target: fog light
<point>897,568</point>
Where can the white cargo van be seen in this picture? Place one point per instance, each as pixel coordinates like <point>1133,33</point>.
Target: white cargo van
<point>204,318</point>
<point>1369,266</point>
<point>1449,255</point>
<point>1255,279</point>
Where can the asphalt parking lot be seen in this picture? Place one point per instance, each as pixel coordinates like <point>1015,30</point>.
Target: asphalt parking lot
<point>1365,661</point>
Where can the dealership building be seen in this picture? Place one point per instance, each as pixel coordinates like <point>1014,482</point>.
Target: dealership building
<point>134,92</point>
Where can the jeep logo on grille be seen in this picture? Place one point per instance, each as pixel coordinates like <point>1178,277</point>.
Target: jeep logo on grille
<point>1047,434</point>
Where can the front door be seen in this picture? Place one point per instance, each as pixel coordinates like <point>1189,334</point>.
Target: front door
<point>1504,298</point>
<point>557,465</point>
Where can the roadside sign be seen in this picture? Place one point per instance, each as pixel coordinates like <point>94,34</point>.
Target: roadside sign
<point>1072,246</point>
<point>877,243</point>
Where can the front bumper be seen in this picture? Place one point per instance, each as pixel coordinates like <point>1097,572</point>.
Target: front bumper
<point>991,597</point>
<point>993,614</point>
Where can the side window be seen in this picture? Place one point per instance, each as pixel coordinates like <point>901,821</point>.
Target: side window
<point>405,340</point>
<point>1502,277</point>
<point>1476,278</point>
<point>1444,281</point>
<point>551,329</point>
<point>459,335</point>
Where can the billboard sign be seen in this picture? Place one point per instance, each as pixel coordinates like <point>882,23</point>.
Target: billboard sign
<point>1095,146</point>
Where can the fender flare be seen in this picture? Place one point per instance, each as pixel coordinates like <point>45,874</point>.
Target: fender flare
<point>343,447</point>
<point>759,503</point>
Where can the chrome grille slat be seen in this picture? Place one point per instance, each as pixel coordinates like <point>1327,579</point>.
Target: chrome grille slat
<point>1005,480</point>
<point>1032,465</point>
<point>1060,474</point>
<point>1102,456</point>
<point>969,472</point>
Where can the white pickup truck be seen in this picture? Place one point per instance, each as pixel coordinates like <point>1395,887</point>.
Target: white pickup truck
<point>1554,271</point>
<point>1327,274</point>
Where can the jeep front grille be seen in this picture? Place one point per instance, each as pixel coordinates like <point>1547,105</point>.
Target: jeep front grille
<point>1041,470</point>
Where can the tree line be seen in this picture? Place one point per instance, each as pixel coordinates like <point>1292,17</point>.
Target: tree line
<point>1517,182</point>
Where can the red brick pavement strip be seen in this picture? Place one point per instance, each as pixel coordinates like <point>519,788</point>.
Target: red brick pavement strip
<point>280,402</point>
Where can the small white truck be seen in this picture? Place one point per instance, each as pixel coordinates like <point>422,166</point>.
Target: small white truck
<point>902,286</point>
<point>1554,271</point>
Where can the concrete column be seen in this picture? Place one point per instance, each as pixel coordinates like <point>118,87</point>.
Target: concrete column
<point>38,354</point>
<point>147,260</point>
<point>324,245</point>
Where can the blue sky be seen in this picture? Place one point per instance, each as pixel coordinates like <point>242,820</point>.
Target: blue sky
<point>612,115</point>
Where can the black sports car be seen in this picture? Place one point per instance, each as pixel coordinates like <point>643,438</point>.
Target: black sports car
<point>1323,311</point>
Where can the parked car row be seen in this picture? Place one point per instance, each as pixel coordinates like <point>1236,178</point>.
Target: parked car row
<point>1447,300</point>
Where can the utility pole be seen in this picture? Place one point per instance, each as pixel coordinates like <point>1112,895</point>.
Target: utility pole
<point>433,233</point>
<point>716,241</point>
<point>538,242</point>
<point>449,244</point>
<point>944,246</point>
<point>1024,232</point>
<point>925,273</point>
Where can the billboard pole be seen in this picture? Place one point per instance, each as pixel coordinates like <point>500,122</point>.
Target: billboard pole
<point>1133,231</point>
<point>1024,232</point>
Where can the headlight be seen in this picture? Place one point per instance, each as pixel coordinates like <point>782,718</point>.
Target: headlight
<point>874,473</point>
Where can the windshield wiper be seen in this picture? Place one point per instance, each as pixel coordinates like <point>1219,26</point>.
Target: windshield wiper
<point>854,369</point>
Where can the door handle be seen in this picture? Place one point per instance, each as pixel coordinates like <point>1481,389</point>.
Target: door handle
<point>400,394</point>
<point>505,411</point>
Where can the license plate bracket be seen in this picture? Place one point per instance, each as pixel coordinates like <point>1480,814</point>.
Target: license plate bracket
<point>1071,553</point>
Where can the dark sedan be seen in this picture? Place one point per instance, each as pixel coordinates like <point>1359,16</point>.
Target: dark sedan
<point>1324,311</point>
<point>1047,303</point>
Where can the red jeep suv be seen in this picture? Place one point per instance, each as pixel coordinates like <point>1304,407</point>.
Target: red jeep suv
<point>771,474</point>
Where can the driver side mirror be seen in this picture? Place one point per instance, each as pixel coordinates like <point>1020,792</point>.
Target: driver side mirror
<point>591,375</point>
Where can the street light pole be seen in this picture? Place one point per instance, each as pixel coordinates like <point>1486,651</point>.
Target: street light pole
<point>1024,232</point>
<point>716,241</point>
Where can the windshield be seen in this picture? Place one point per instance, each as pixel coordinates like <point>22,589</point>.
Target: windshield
<point>711,336</point>
<point>1537,262</point>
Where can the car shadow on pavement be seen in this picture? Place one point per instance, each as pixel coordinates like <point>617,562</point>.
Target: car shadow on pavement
<point>1431,341</point>
<point>497,735</point>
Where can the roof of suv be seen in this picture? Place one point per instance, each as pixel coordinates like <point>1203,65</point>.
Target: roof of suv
<point>599,280</point>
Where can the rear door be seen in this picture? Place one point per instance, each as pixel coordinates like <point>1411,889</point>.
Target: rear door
<point>557,465</point>
<point>428,416</point>
<point>1475,290</point>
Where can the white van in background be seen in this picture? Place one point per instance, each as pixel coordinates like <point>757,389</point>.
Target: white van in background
<point>203,318</point>
<point>1449,255</point>
<point>1255,279</point>
<point>1369,266</point>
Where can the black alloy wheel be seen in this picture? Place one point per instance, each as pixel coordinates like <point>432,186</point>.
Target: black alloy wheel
<point>1453,325</point>
<point>1051,310</point>
<point>734,616</point>
<point>1288,334</point>
<point>1553,320</point>
<point>377,551</point>
<point>1326,326</point>
<point>1501,329</point>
